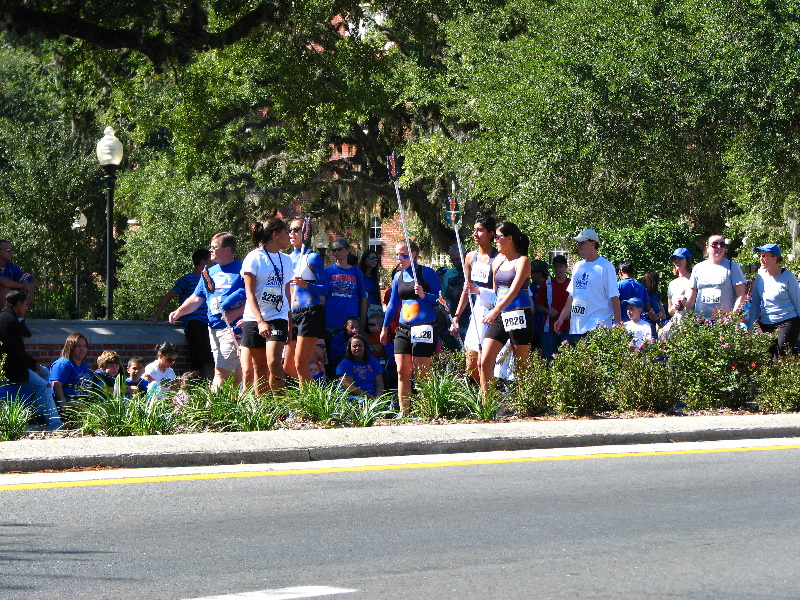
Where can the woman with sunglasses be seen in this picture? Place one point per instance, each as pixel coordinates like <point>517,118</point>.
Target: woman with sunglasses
<point>265,324</point>
<point>716,285</point>
<point>347,296</point>
<point>417,336</point>
<point>479,281</point>
<point>309,285</point>
<point>775,303</point>
<point>512,315</point>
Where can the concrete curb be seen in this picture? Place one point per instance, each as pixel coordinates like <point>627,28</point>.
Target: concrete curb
<point>322,444</point>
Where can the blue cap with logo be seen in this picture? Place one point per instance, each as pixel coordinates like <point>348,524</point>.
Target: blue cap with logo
<point>635,302</point>
<point>681,253</point>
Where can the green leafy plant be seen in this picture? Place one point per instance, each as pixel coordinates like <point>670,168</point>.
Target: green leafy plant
<point>438,394</point>
<point>483,407</point>
<point>715,364</point>
<point>14,417</point>
<point>530,395</point>
<point>364,412</point>
<point>780,386</point>
<point>644,381</point>
<point>578,381</point>
<point>229,408</point>
<point>107,411</point>
<point>319,403</point>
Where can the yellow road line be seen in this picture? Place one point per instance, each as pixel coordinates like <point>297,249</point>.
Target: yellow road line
<point>324,470</point>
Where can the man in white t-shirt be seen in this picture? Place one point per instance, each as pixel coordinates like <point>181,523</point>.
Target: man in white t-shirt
<point>593,293</point>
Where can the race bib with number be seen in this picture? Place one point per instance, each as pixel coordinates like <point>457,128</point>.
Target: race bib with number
<point>514,319</point>
<point>272,298</point>
<point>480,273</point>
<point>710,295</point>
<point>422,334</point>
<point>578,309</point>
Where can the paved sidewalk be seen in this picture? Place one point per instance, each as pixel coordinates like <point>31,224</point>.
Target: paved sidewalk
<point>321,444</point>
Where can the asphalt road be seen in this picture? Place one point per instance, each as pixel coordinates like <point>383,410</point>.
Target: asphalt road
<point>695,525</point>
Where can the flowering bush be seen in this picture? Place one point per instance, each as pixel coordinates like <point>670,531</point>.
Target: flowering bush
<point>715,365</point>
<point>779,389</point>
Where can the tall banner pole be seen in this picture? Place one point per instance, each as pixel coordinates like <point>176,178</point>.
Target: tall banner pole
<point>393,166</point>
<point>452,215</point>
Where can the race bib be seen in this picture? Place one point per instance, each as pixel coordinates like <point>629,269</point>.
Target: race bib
<point>422,334</point>
<point>272,298</point>
<point>480,273</point>
<point>578,309</point>
<point>514,319</point>
<point>215,306</point>
<point>710,295</point>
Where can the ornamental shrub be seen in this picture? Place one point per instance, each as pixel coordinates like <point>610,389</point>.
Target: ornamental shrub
<point>715,365</point>
<point>779,389</point>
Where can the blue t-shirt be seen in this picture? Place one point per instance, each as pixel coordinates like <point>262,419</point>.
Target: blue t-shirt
<point>362,373</point>
<point>75,380</point>
<point>14,273</point>
<point>630,288</point>
<point>310,267</point>
<point>227,281</point>
<point>345,291</point>
<point>141,384</point>
<point>373,292</point>
<point>185,287</point>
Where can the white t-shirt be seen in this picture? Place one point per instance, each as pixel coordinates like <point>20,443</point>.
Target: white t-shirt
<point>592,286</point>
<point>642,332</point>
<point>273,271</point>
<point>157,374</point>
<point>678,289</point>
<point>715,286</point>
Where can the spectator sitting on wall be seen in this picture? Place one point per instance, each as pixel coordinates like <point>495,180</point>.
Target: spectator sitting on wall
<point>12,277</point>
<point>19,366</point>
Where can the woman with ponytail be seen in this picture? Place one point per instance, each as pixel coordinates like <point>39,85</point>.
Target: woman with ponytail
<point>512,315</point>
<point>265,328</point>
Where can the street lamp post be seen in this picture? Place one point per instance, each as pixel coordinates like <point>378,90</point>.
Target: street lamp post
<point>109,153</point>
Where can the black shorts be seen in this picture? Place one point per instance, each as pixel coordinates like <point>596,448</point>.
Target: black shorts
<point>519,337</point>
<point>403,345</point>
<point>196,332</point>
<point>252,339</point>
<point>308,321</point>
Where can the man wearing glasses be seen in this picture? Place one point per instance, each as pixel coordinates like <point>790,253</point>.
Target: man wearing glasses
<point>716,285</point>
<point>12,277</point>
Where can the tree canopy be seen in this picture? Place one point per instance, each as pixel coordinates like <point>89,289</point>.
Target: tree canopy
<point>557,115</point>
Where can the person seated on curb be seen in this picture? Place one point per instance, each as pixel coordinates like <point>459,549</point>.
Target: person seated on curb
<point>20,367</point>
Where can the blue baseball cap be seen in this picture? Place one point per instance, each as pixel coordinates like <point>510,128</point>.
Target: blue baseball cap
<point>681,253</point>
<point>769,248</point>
<point>635,302</point>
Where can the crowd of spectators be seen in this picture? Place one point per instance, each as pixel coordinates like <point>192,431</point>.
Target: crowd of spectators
<point>278,315</point>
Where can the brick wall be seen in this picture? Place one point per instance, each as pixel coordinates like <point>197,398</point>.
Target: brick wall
<point>128,338</point>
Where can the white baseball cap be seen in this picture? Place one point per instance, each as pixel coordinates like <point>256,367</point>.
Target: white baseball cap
<point>587,234</point>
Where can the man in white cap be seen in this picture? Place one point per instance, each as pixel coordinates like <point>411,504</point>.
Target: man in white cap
<point>593,293</point>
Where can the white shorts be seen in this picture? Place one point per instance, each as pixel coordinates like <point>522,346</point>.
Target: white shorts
<point>223,348</point>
